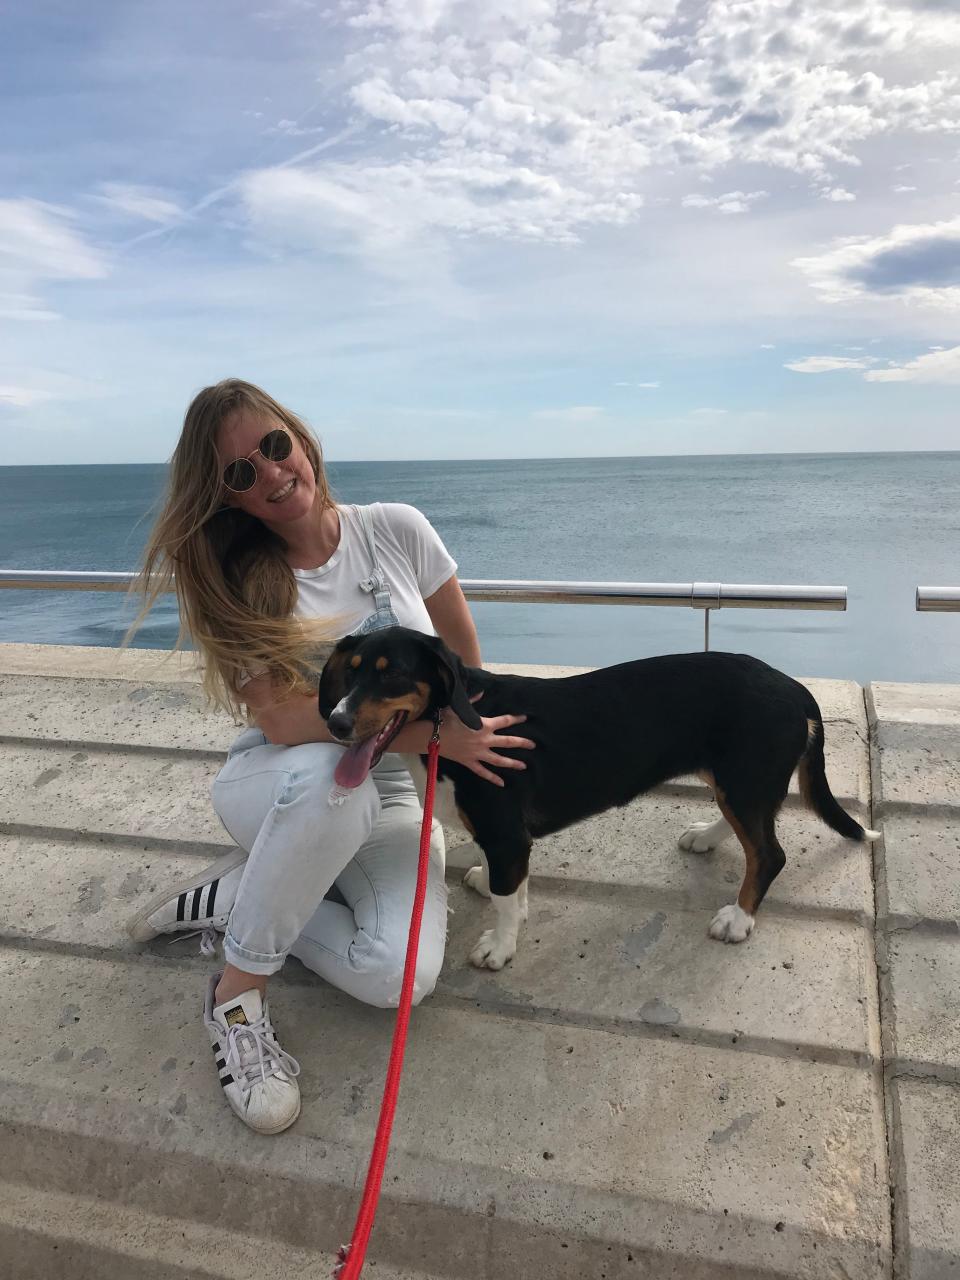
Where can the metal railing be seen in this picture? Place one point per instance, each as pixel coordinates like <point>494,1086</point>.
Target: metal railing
<point>695,595</point>
<point>705,596</point>
<point>938,599</point>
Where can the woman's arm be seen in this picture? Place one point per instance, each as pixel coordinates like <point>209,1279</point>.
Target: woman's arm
<point>287,722</point>
<point>451,616</point>
<point>475,748</point>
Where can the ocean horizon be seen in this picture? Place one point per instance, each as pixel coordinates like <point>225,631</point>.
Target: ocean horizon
<point>878,523</point>
<point>553,457</point>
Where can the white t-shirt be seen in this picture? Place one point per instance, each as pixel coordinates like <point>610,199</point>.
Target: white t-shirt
<point>414,561</point>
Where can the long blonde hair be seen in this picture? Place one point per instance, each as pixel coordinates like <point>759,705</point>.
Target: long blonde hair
<point>235,589</point>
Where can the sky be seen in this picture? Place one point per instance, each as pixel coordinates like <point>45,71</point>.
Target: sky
<point>450,229</point>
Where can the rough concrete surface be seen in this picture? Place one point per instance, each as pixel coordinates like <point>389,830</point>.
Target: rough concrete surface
<point>626,1099</point>
<point>915,758</point>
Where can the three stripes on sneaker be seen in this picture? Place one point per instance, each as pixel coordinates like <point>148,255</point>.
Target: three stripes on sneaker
<point>193,900</point>
<point>222,1069</point>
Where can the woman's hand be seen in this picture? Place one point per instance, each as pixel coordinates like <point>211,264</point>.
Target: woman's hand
<point>477,748</point>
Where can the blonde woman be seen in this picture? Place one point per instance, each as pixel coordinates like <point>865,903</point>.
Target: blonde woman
<point>269,571</point>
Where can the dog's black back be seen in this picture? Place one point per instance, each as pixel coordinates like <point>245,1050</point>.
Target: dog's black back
<point>604,737</point>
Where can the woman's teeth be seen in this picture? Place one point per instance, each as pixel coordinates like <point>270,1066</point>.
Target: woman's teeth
<point>282,493</point>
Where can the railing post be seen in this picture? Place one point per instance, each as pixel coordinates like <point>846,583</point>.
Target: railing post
<point>706,596</point>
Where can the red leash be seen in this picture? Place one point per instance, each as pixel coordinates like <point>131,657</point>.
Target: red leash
<point>351,1256</point>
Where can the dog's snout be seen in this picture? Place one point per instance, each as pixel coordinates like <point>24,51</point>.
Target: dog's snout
<point>340,723</point>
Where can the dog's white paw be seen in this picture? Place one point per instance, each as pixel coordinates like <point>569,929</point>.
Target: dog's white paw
<point>492,952</point>
<point>478,879</point>
<point>695,838</point>
<point>731,924</point>
<point>701,837</point>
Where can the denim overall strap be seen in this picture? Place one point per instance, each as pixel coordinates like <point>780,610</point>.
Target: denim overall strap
<point>376,584</point>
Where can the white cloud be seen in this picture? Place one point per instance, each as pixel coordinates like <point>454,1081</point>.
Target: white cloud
<point>941,366</point>
<point>24,387</point>
<point>730,202</point>
<point>385,206</point>
<point>829,364</point>
<point>642,385</point>
<point>23,306</point>
<point>292,128</point>
<point>917,263</point>
<point>37,243</point>
<point>538,120</point>
<point>575,413</point>
<point>37,240</point>
<point>139,202</point>
<point>767,346</point>
<point>23,397</point>
<point>708,412</point>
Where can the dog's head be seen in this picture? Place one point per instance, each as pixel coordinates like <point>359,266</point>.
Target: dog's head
<point>373,684</point>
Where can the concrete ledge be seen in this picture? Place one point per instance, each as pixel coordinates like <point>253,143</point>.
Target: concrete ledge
<point>637,845</point>
<point>928,1218</point>
<point>627,1098</point>
<point>800,990</point>
<point>915,739</point>
<point>922,863</point>
<point>923,973</point>
<point>89,662</point>
<point>46,1230</point>
<point>633,1153</point>
<point>132,713</point>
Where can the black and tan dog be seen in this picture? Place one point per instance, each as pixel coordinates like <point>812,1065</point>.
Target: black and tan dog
<point>601,740</point>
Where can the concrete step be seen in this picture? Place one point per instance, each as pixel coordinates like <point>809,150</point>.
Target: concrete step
<point>163,798</point>
<point>158,795</point>
<point>915,733</point>
<point>520,1147</point>
<point>627,1098</point>
<point>599,955</point>
<point>121,712</point>
<point>45,1234</point>
<point>143,713</point>
<point>800,989</point>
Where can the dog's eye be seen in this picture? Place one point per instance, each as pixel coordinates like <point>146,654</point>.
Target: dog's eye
<point>394,687</point>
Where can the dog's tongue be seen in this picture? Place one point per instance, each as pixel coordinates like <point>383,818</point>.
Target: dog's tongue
<point>354,764</point>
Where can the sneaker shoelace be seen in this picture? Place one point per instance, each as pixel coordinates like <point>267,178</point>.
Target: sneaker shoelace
<point>208,940</point>
<point>253,1054</point>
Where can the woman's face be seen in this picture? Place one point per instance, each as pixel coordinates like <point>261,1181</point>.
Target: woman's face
<point>285,490</point>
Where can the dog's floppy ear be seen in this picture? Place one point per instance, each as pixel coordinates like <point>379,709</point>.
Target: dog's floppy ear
<point>454,676</point>
<point>333,683</point>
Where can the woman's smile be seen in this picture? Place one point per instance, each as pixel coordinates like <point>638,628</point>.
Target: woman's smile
<point>284,491</point>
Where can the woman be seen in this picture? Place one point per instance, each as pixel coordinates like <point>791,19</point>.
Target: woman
<point>269,572</point>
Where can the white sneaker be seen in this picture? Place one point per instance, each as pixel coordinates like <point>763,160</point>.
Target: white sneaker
<point>259,1079</point>
<point>203,901</point>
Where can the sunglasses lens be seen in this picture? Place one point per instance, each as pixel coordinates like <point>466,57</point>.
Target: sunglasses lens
<point>240,475</point>
<point>275,446</point>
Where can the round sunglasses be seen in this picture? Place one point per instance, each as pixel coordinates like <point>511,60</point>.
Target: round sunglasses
<point>240,475</point>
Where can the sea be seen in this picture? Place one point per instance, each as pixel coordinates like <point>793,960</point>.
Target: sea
<point>879,524</point>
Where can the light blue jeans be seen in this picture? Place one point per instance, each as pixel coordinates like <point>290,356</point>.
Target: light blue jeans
<point>273,802</point>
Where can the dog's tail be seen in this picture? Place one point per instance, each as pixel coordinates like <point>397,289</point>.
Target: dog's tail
<point>815,789</point>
